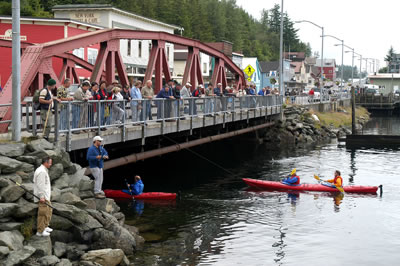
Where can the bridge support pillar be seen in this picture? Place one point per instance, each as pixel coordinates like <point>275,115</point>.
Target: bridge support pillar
<point>158,62</point>
<point>193,68</point>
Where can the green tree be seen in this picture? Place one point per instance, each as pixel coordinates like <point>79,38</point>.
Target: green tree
<point>389,57</point>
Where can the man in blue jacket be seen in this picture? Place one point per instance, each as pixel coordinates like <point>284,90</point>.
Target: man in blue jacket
<point>135,188</point>
<point>95,156</point>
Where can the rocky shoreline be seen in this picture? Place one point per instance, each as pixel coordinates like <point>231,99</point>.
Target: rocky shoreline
<point>300,126</point>
<point>87,231</point>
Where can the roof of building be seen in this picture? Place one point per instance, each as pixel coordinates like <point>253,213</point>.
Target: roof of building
<point>60,20</point>
<point>266,66</point>
<point>327,62</point>
<point>310,60</point>
<point>297,66</point>
<point>110,7</point>
<point>384,76</point>
<point>238,54</point>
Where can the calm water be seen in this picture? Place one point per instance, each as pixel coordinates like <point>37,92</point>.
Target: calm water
<point>219,222</point>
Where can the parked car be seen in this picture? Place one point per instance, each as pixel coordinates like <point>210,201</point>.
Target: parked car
<point>371,91</point>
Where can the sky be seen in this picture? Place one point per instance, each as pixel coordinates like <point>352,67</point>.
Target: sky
<point>370,27</point>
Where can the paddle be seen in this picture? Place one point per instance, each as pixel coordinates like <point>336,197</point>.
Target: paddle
<point>130,190</point>
<point>339,188</point>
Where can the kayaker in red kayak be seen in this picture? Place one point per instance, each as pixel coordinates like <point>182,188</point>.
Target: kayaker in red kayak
<point>292,179</point>
<point>337,181</point>
<point>136,187</point>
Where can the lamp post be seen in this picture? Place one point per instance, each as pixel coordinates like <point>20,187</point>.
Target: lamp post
<point>360,66</point>
<point>322,52</point>
<point>16,72</point>
<point>281,54</point>
<point>342,44</point>
<point>352,63</point>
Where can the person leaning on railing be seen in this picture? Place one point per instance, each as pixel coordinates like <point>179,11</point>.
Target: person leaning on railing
<point>80,112</point>
<point>118,112</point>
<point>46,102</point>
<point>148,94</point>
<point>136,95</point>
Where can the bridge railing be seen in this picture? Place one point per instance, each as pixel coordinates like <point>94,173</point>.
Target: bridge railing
<point>74,117</point>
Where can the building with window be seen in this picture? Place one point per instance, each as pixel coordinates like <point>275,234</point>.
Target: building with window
<point>270,71</point>
<point>394,65</point>
<point>329,68</point>
<point>135,53</point>
<point>41,30</point>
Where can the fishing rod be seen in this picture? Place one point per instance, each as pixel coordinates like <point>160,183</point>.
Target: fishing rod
<point>27,191</point>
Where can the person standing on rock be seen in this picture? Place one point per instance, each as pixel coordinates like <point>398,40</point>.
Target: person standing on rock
<point>95,156</point>
<point>42,188</point>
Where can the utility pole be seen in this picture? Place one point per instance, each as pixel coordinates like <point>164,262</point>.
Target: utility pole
<point>16,72</point>
<point>281,87</point>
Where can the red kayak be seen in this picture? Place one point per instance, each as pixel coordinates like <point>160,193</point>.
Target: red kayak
<point>118,194</point>
<point>262,184</point>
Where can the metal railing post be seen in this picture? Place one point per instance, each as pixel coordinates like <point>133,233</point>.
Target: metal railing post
<point>68,141</point>
<point>99,110</point>
<point>34,133</point>
<point>162,116</point>
<point>27,116</point>
<point>56,121</point>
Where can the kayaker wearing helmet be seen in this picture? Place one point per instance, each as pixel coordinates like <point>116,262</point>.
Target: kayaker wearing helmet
<point>292,179</point>
<point>136,188</point>
<point>337,181</point>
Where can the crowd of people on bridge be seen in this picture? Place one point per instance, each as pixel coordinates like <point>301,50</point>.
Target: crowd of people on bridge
<point>139,98</point>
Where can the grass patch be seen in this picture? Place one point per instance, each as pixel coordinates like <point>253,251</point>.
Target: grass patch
<point>338,119</point>
<point>27,228</point>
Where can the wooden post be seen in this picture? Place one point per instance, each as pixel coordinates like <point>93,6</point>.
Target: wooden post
<point>353,112</point>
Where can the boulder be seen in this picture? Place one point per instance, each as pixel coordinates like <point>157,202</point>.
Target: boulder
<point>90,203</point>
<point>62,236</point>
<point>69,198</point>
<point>29,187</point>
<point>27,159</point>
<point>73,253</point>
<point>39,145</point>
<point>55,194</point>
<point>27,167</point>
<point>135,233</point>
<point>62,182</point>
<point>117,237</point>
<point>87,194</point>
<point>92,223</point>
<point>12,177</point>
<point>64,262</point>
<point>56,171</point>
<point>120,217</point>
<point>19,256</point>
<point>11,239</point>
<point>4,182</point>
<point>88,263</point>
<point>110,257</point>
<point>107,205</point>
<point>6,209</point>
<point>72,169</point>
<point>76,178</point>
<point>4,251</point>
<point>60,223</point>
<point>10,226</point>
<point>71,212</point>
<point>8,165</point>
<point>26,177</point>
<point>42,244</point>
<point>12,150</point>
<point>65,159</point>
<point>86,184</point>
<point>49,260</point>
<point>11,193</point>
<point>25,209</point>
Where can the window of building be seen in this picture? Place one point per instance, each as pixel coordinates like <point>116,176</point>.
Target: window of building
<point>128,49</point>
<point>140,49</point>
<point>92,55</point>
<point>204,68</point>
<point>330,71</point>
<point>150,46</point>
<point>167,53</point>
<point>80,52</point>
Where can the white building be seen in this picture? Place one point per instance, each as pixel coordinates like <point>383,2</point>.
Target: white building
<point>180,56</point>
<point>135,53</point>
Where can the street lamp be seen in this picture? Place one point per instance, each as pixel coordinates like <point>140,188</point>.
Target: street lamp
<point>360,66</point>
<point>352,64</point>
<point>281,87</point>
<point>322,52</point>
<point>342,44</point>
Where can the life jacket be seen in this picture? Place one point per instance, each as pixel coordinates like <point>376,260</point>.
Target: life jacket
<point>336,178</point>
<point>298,179</point>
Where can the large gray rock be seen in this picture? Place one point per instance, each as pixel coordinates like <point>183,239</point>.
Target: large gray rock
<point>42,244</point>
<point>4,251</point>
<point>72,169</point>
<point>135,233</point>
<point>27,167</point>
<point>66,160</point>
<point>62,236</point>
<point>86,184</point>
<point>60,223</point>
<point>88,263</point>
<point>74,253</point>
<point>27,159</point>
<point>75,179</point>
<point>62,182</point>
<point>11,193</point>
<point>56,171</point>
<point>55,194</point>
<point>25,209</point>
<point>49,260</point>
<point>92,223</point>
<point>4,182</point>
<point>69,198</point>
<point>90,203</point>
<point>10,226</point>
<point>11,239</point>
<point>8,165</point>
<point>26,177</point>
<point>107,205</point>
<point>39,145</point>
<point>87,194</point>
<point>59,249</point>
<point>71,212</point>
<point>12,150</point>
<point>19,256</point>
<point>109,257</point>
<point>116,237</point>
<point>29,187</point>
<point>6,209</point>
<point>64,262</point>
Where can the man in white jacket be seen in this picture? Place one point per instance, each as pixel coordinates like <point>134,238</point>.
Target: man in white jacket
<point>42,189</point>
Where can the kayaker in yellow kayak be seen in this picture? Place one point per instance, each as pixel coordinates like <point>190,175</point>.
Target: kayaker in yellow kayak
<point>292,179</point>
<point>337,181</point>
